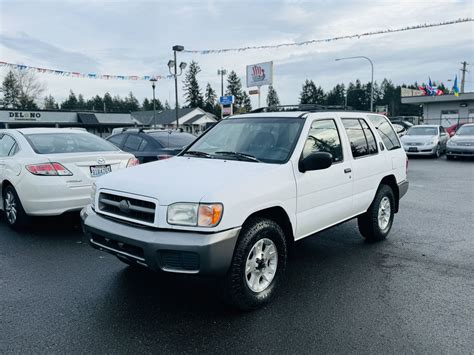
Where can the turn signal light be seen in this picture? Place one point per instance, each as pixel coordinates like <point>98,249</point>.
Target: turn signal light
<point>209,215</point>
<point>132,162</point>
<point>48,169</point>
<point>163,156</point>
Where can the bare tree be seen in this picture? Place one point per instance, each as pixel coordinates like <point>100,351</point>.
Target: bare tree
<point>30,89</point>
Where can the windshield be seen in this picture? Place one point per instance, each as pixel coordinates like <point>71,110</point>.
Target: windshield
<point>60,143</point>
<point>173,140</point>
<point>269,140</point>
<point>422,131</point>
<point>465,131</point>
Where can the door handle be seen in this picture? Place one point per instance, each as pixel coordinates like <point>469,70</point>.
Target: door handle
<point>347,170</point>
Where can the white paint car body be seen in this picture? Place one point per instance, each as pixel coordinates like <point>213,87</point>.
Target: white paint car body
<point>53,195</point>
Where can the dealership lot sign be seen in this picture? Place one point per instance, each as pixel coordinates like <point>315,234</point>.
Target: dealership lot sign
<point>260,74</point>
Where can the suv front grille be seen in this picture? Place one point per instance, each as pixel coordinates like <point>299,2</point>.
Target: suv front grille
<point>131,208</point>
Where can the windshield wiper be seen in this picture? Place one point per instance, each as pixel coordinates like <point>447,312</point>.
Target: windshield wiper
<point>240,156</point>
<point>198,154</point>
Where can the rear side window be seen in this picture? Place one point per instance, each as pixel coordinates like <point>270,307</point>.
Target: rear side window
<point>360,136</point>
<point>7,145</point>
<point>132,144</point>
<point>324,137</point>
<point>60,143</point>
<point>386,132</point>
<point>117,139</point>
<point>173,140</point>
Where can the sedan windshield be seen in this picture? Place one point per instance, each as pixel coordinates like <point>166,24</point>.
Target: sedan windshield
<point>465,131</point>
<point>264,139</point>
<point>422,131</point>
<point>60,143</point>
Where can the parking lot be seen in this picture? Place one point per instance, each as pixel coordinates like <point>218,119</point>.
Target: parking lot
<point>411,293</point>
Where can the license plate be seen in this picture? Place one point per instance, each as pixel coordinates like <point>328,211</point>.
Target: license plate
<point>413,149</point>
<point>100,170</point>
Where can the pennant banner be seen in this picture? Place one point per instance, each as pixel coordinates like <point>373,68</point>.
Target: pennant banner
<point>84,75</point>
<point>313,41</point>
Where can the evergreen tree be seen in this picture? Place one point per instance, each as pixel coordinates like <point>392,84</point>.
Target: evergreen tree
<point>336,95</point>
<point>81,104</point>
<point>107,103</point>
<point>192,92</point>
<point>10,90</point>
<point>167,105</point>
<point>70,103</point>
<point>118,105</point>
<point>146,105</point>
<point>130,103</point>
<point>246,103</point>
<point>310,94</point>
<point>95,104</point>
<point>272,97</point>
<point>50,103</point>
<point>234,87</point>
<point>210,98</point>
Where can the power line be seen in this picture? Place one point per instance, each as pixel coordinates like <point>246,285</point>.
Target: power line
<point>313,41</point>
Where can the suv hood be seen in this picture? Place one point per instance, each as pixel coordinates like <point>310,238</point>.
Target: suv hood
<point>183,179</point>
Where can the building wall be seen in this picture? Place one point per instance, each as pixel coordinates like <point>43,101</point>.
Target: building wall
<point>448,113</point>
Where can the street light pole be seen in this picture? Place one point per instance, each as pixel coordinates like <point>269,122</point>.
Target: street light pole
<point>182,65</point>
<point>153,81</point>
<point>372,77</point>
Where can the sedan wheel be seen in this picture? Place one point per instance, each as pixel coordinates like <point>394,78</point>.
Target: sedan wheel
<point>14,213</point>
<point>10,207</point>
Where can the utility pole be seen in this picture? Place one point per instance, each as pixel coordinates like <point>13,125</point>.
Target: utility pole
<point>463,75</point>
<point>222,72</point>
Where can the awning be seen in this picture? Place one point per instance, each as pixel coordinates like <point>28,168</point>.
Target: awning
<point>88,119</point>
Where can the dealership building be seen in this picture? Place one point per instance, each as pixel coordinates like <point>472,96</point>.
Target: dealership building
<point>98,123</point>
<point>444,110</point>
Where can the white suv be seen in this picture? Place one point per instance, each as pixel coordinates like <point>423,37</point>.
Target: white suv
<point>233,202</point>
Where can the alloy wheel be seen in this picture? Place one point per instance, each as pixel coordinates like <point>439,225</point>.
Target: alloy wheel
<point>261,265</point>
<point>384,213</point>
<point>10,206</point>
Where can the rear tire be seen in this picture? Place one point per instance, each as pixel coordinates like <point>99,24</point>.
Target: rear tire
<point>15,215</point>
<point>375,224</point>
<point>257,266</point>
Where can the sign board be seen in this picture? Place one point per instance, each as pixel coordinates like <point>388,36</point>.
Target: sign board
<point>405,92</point>
<point>226,111</point>
<point>254,92</point>
<point>226,100</point>
<point>260,74</point>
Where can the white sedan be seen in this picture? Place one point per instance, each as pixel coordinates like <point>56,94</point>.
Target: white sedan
<point>50,171</point>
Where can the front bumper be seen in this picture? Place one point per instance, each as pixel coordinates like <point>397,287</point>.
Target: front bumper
<point>460,150</point>
<point>421,150</point>
<point>165,250</point>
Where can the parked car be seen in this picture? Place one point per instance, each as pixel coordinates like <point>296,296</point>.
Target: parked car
<point>462,143</point>
<point>233,202</point>
<point>425,140</point>
<point>407,125</point>
<point>151,145</point>
<point>401,131</point>
<point>49,171</point>
<point>451,130</point>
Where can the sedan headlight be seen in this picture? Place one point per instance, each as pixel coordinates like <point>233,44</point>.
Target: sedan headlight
<point>195,214</point>
<point>451,142</point>
<point>93,194</point>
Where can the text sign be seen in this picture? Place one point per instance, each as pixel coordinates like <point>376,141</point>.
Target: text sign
<point>260,74</point>
<point>254,92</point>
<point>24,116</point>
<point>226,100</point>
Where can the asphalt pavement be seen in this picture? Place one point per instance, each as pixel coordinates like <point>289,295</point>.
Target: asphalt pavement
<point>413,293</point>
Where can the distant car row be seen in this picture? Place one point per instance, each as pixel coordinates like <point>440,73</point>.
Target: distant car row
<point>432,140</point>
<point>50,171</point>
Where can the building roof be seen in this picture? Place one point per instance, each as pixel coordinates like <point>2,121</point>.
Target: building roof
<point>416,100</point>
<point>162,117</point>
<point>195,118</point>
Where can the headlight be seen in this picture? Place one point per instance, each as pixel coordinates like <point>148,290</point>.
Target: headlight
<point>93,194</point>
<point>195,214</point>
<point>451,142</point>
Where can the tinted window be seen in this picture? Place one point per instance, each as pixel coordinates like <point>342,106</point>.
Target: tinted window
<point>117,139</point>
<point>361,139</point>
<point>132,143</point>
<point>386,132</point>
<point>271,140</point>
<point>173,140</point>
<point>324,137</point>
<point>59,143</point>
<point>7,144</point>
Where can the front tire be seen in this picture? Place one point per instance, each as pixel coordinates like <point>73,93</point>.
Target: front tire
<point>437,153</point>
<point>375,224</point>
<point>14,213</point>
<point>257,266</point>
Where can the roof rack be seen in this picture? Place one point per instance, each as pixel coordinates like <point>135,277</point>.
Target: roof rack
<point>300,107</point>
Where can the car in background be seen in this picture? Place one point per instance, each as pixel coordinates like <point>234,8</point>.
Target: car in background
<point>407,125</point>
<point>151,145</point>
<point>425,140</point>
<point>461,143</point>
<point>451,130</point>
<point>401,131</point>
<point>50,171</point>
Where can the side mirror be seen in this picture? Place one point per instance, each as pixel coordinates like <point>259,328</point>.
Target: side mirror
<point>316,161</point>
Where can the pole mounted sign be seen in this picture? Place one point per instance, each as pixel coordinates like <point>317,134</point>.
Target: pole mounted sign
<point>226,100</point>
<point>260,74</point>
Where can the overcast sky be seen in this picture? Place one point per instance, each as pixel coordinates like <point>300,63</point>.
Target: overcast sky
<point>135,38</point>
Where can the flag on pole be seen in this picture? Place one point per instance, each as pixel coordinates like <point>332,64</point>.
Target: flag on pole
<point>455,86</point>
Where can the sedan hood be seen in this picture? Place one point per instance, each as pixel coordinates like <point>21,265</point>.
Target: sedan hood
<point>462,139</point>
<point>418,139</point>
<point>183,179</point>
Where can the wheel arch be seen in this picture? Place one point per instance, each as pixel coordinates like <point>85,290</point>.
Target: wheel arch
<point>391,181</point>
<point>279,216</point>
